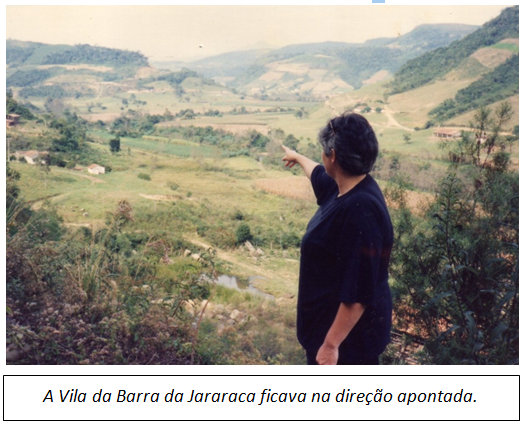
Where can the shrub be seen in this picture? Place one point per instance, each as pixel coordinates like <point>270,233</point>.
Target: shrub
<point>114,144</point>
<point>243,233</point>
<point>77,300</point>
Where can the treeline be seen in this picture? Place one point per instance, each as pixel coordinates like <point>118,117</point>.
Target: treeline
<point>497,85</point>
<point>54,91</point>
<point>175,79</point>
<point>137,125</point>
<point>33,82</point>
<point>24,78</point>
<point>30,53</point>
<point>230,145</point>
<point>84,53</point>
<point>426,68</point>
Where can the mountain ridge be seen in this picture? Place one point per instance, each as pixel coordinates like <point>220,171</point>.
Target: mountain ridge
<point>350,64</point>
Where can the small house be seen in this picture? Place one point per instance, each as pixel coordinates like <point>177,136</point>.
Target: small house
<point>96,169</point>
<point>12,120</point>
<point>31,157</point>
<point>447,133</point>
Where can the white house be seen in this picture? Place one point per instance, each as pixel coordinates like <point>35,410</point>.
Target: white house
<point>31,157</point>
<point>96,169</point>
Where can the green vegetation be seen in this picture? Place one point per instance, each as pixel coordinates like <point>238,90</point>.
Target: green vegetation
<point>456,268</point>
<point>114,144</point>
<point>499,84</point>
<point>13,107</point>
<point>27,78</point>
<point>84,298</point>
<point>176,78</point>
<point>434,64</point>
<point>507,46</point>
<point>54,91</point>
<point>31,53</point>
<point>243,233</point>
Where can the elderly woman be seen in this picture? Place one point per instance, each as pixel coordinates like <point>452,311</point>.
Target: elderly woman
<point>344,301</point>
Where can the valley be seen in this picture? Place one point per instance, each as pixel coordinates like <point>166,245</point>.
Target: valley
<point>194,188</point>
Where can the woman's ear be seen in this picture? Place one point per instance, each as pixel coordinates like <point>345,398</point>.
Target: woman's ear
<point>332,157</point>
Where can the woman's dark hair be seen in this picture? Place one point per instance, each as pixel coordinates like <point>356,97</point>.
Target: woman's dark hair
<point>354,141</point>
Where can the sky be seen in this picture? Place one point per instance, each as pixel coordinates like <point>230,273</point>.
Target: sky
<point>180,32</point>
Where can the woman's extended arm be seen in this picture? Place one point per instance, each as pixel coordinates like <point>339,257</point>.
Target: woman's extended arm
<point>346,318</point>
<point>292,158</point>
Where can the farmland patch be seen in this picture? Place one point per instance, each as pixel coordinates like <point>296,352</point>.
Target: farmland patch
<point>492,57</point>
<point>295,187</point>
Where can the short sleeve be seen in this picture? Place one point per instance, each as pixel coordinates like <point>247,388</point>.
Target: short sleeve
<point>359,255</point>
<point>322,184</point>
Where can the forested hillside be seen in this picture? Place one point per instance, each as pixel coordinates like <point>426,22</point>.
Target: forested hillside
<point>29,53</point>
<point>437,63</point>
<point>497,85</point>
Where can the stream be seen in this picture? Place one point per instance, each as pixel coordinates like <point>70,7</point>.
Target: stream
<point>232,282</point>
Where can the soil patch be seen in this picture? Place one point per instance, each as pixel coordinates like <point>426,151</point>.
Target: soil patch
<point>160,197</point>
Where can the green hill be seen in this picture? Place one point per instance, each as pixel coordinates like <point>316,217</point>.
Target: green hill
<point>100,83</point>
<point>29,53</point>
<point>497,85</point>
<point>58,71</point>
<point>434,64</point>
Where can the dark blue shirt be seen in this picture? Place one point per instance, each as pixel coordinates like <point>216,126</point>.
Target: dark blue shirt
<point>344,258</point>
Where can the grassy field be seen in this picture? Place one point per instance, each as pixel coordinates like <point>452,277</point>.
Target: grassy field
<point>181,195</point>
<point>176,173</point>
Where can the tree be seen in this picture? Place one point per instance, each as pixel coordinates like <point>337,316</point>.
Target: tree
<point>114,144</point>
<point>456,271</point>
<point>301,113</point>
<point>257,140</point>
<point>291,142</point>
<point>71,133</point>
<point>13,107</point>
<point>243,233</point>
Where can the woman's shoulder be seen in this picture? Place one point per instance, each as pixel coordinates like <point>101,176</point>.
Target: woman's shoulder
<point>322,184</point>
<point>369,192</point>
<point>366,200</point>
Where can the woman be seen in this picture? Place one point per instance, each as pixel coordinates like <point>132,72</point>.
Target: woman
<point>344,302</point>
